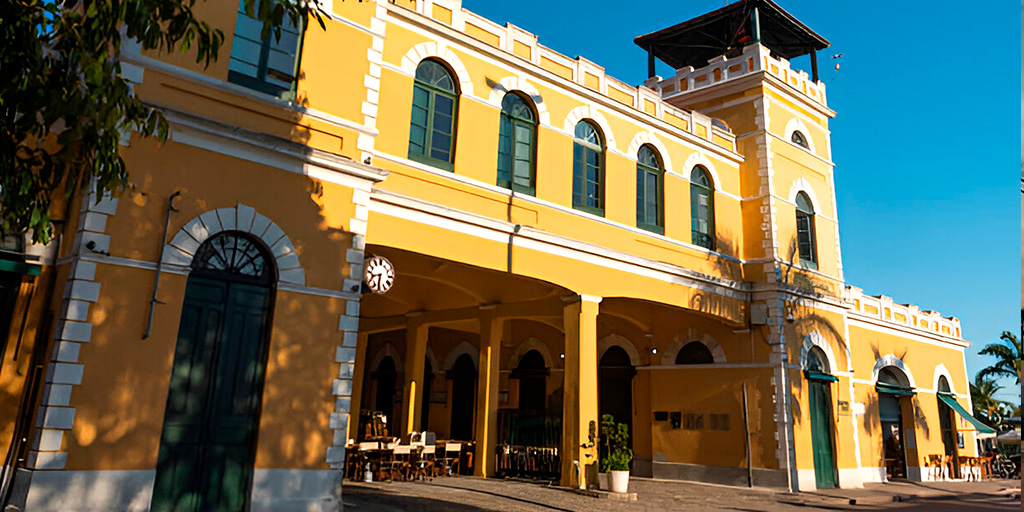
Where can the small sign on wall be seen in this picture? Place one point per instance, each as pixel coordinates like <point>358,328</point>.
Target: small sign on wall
<point>844,408</point>
<point>439,397</point>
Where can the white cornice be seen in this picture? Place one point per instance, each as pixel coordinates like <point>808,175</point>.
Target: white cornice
<point>857,319</point>
<point>271,150</point>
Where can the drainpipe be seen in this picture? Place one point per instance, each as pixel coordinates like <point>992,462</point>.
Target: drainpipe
<point>784,384</point>
<point>159,263</point>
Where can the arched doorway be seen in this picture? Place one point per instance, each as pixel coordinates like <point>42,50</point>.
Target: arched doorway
<point>532,375</point>
<point>463,377</point>
<point>892,387</point>
<point>694,352</point>
<point>615,387</point>
<point>819,391</point>
<point>947,427</point>
<point>208,444</point>
<point>385,377</point>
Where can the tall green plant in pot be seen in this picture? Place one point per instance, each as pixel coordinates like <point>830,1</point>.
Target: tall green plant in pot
<point>616,455</point>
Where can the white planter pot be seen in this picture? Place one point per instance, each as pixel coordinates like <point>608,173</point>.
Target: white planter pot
<point>602,481</point>
<point>620,481</point>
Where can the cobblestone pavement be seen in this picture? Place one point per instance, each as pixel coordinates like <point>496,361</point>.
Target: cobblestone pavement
<point>476,495</point>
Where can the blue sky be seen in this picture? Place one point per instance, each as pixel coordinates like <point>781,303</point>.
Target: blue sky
<point>923,140</point>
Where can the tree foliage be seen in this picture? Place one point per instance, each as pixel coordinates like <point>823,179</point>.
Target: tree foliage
<point>983,399</point>
<point>64,104</point>
<point>1007,354</point>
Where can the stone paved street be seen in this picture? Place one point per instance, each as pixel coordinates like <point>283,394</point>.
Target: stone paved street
<point>473,495</point>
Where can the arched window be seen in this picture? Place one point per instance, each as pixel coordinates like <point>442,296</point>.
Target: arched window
<point>650,190</point>
<point>588,169</point>
<point>799,139</point>
<point>230,253</point>
<point>434,103</point>
<point>702,208</point>
<point>517,138</point>
<point>817,361</point>
<point>694,352</point>
<point>805,231</point>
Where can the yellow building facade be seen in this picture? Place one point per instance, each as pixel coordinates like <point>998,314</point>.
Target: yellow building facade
<point>563,245</point>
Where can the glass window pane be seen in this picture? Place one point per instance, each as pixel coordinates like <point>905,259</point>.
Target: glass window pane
<point>243,68</point>
<point>246,51</point>
<point>433,73</point>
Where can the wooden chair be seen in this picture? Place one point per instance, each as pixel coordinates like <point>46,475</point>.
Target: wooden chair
<point>985,464</point>
<point>971,466</point>
<point>934,465</point>
<point>452,456</point>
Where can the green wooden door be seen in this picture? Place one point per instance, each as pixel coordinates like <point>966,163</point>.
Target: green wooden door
<point>207,447</point>
<point>821,434</point>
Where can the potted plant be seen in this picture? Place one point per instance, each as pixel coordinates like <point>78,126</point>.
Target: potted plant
<point>617,455</point>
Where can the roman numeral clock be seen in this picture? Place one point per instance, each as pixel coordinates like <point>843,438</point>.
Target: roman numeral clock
<point>379,274</point>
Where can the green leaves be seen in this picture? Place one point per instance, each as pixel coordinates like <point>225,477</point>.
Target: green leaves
<point>615,453</point>
<point>64,103</point>
<point>1007,354</point>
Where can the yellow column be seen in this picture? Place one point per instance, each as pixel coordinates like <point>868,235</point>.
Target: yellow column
<point>579,410</point>
<point>415,355</point>
<point>491,330</point>
<point>356,401</point>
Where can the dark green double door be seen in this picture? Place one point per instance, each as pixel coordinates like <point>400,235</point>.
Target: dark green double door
<point>208,443</point>
<point>821,434</point>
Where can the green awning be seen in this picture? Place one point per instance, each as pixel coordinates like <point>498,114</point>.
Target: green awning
<point>813,375</point>
<point>950,400</point>
<point>20,267</point>
<point>892,389</point>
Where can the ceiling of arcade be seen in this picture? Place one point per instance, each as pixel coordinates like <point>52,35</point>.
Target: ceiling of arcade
<point>453,295</point>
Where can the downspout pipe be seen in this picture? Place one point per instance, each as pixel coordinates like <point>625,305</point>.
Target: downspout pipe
<point>159,263</point>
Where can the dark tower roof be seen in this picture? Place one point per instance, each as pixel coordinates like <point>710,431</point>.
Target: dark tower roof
<point>727,30</point>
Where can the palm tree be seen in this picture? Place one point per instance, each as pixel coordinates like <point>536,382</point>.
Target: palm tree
<point>983,398</point>
<point>1008,357</point>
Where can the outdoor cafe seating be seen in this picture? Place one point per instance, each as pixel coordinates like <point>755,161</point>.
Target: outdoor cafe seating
<point>378,456</point>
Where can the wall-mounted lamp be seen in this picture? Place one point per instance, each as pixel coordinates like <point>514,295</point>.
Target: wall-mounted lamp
<point>561,356</point>
<point>654,350</point>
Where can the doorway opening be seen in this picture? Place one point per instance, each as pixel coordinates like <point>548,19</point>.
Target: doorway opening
<point>208,444</point>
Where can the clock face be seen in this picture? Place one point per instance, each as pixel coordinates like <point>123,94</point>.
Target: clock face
<point>379,274</point>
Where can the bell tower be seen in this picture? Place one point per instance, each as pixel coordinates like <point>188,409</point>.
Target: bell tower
<point>733,64</point>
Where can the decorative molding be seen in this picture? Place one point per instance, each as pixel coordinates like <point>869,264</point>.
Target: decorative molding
<point>515,83</point>
<point>191,236</point>
<point>441,52</point>
<point>617,340</point>
<point>531,343</point>
<point>893,361</point>
<point>802,185</point>
<point>462,348</point>
<point>649,137</point>
<point>56,414</point>
<point>942,371</point>
<point>680,340</point>
<point>796,124</point>
<point>590,112</point>
<point>387,350</point>
<point>701,159</point>
<point>815,339</point>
